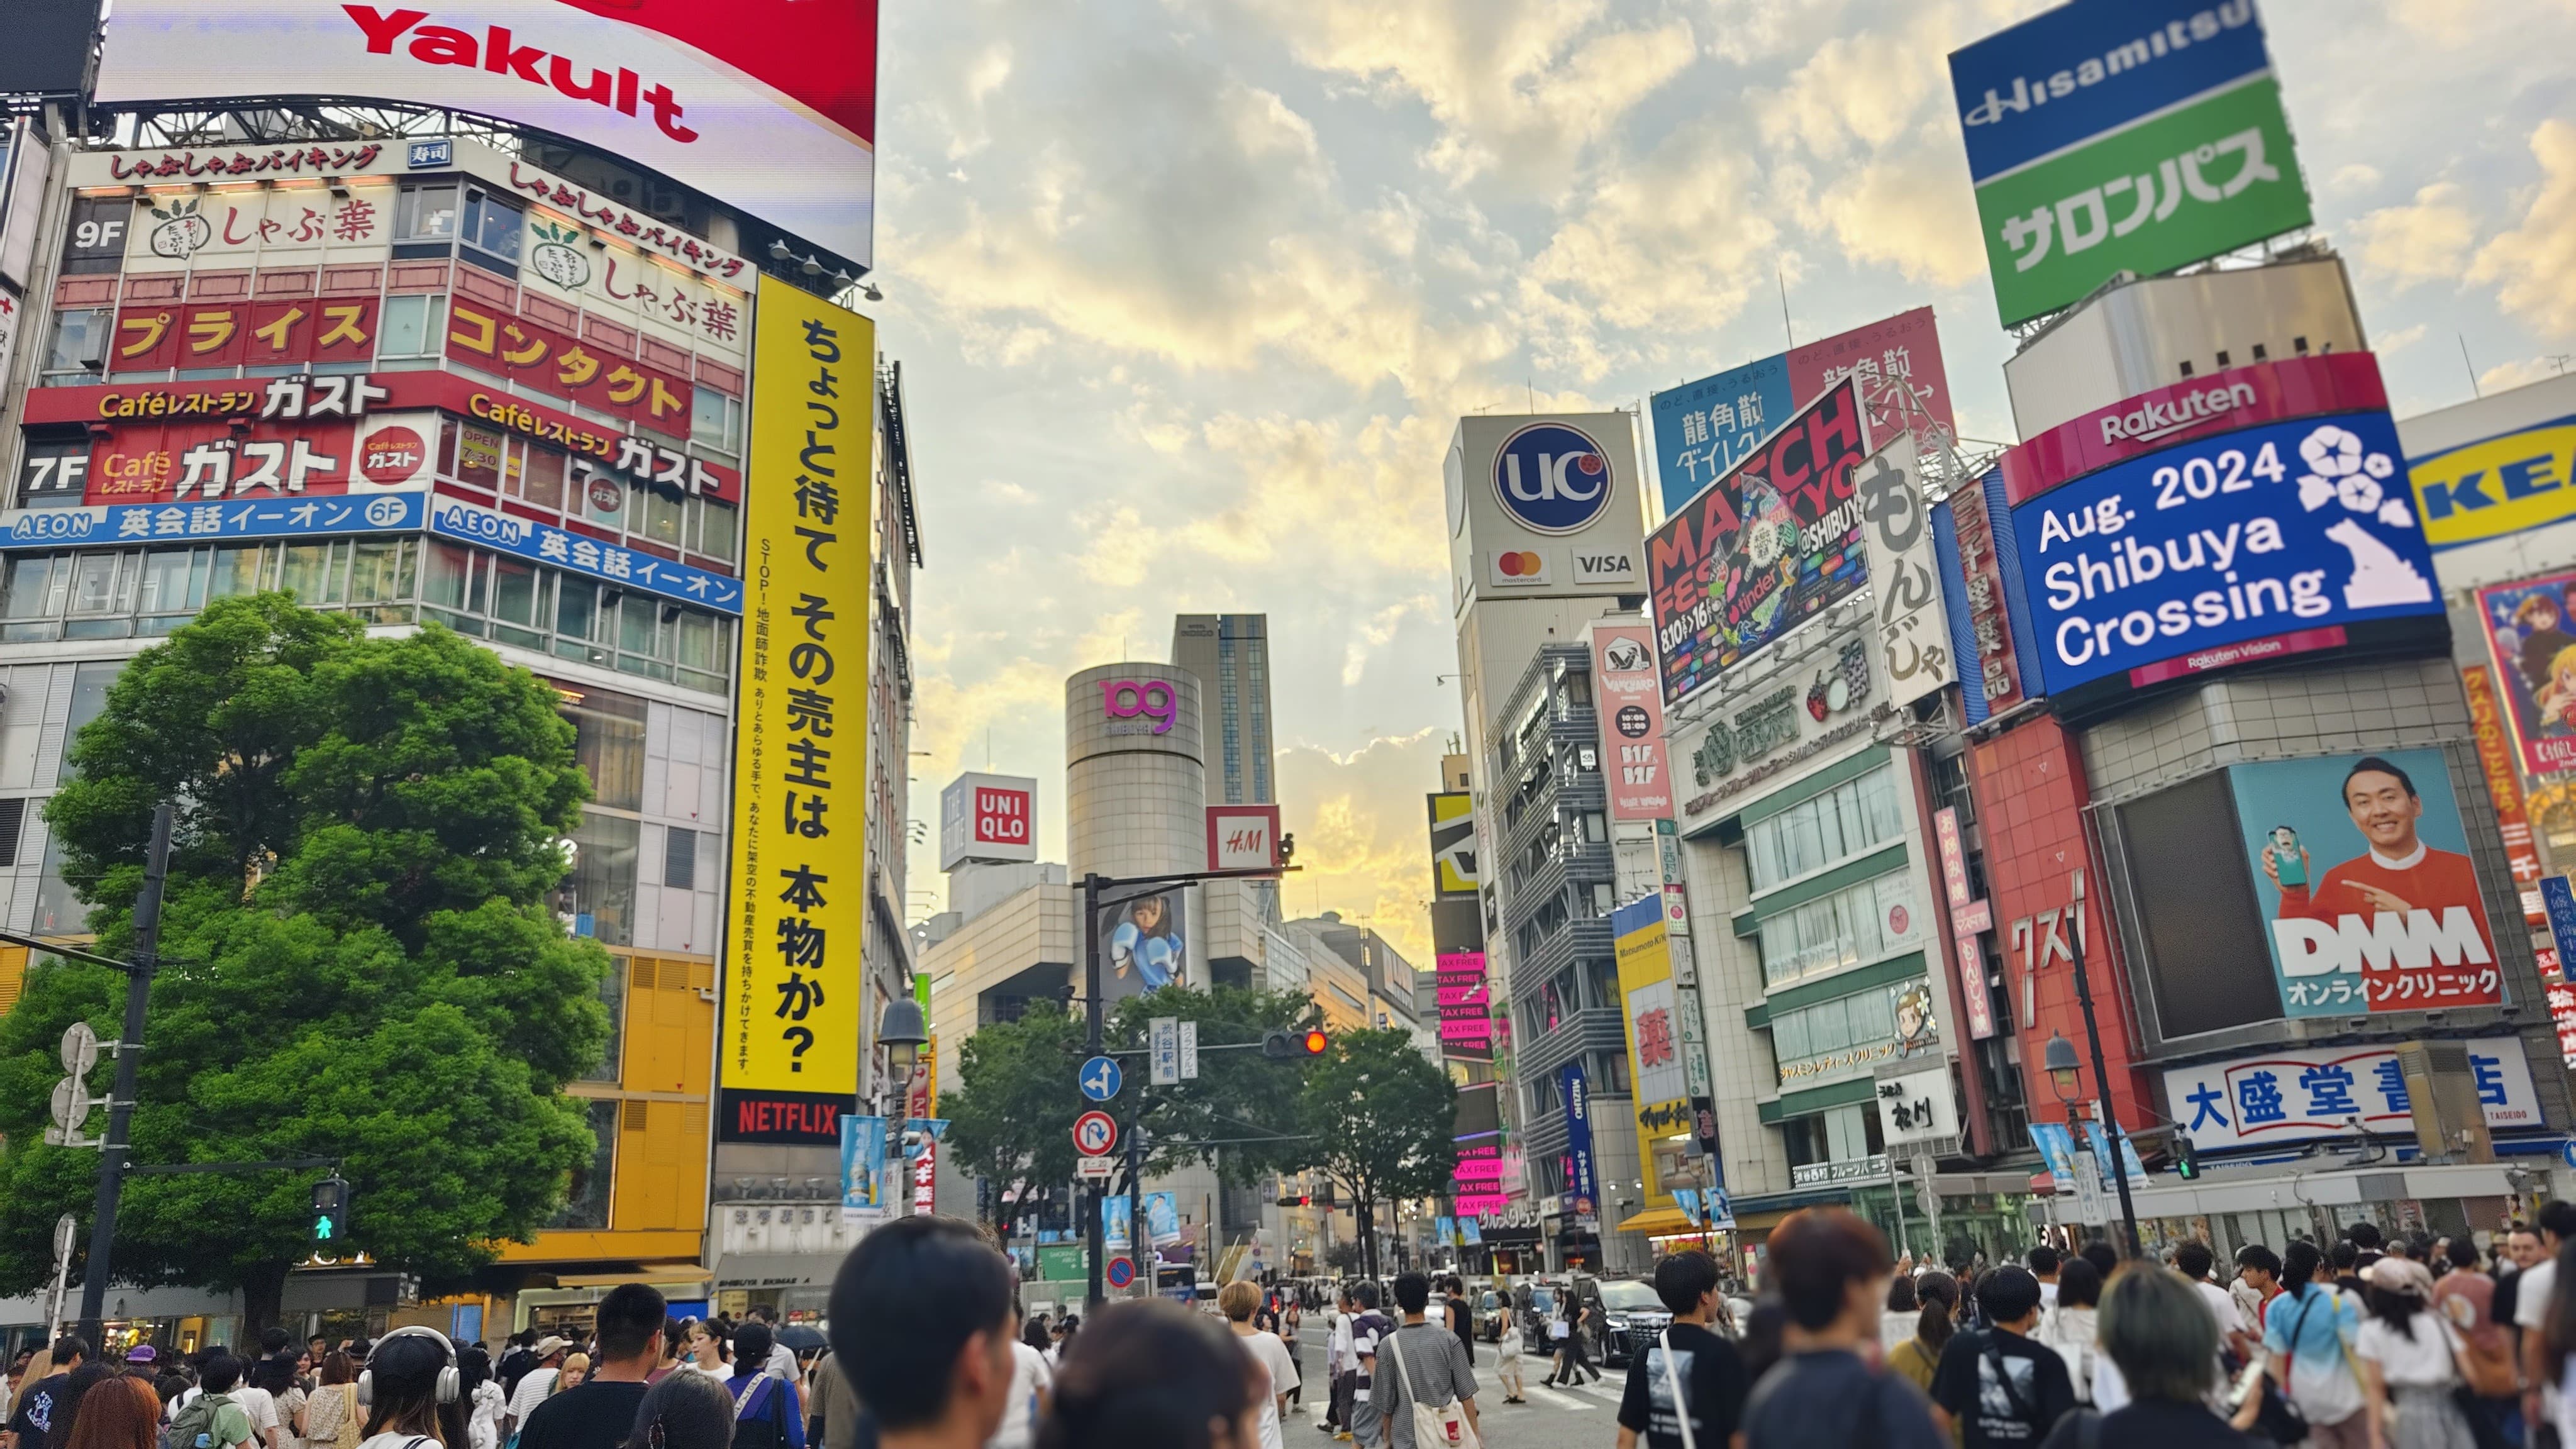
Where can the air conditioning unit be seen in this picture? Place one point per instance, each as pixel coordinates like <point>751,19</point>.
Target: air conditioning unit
<point>2450,1126</point>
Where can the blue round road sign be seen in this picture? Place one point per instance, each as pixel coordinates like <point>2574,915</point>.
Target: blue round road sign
<point>1121,1272</point>
<point>1100,1078</point>
<point>2567,1152</point>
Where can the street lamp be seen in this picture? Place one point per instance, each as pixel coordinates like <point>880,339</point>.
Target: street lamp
<point>2059,1062</point>
<point>902,1032</point>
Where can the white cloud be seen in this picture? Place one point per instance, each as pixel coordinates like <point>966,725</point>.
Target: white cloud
<point>2424,240</point>
<point>2534,265</point>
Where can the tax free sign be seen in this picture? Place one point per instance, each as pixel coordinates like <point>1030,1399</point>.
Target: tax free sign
<point>2122,135</point>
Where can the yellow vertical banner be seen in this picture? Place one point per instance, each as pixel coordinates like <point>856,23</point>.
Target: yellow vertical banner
<point>1648,1004</point>
<point>797,897</point>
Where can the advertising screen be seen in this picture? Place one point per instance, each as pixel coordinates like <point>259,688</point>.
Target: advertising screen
<point>2534,644</point>
<point>2361,871</point>
<point>1763,549</point>
<point>766,105</point>
<point>1144,945</point>
<point>1453,845</point>
<point>2122,135</point>
<point>792,1029</point>
<point>2247,546</point>
<point>1704,428</point>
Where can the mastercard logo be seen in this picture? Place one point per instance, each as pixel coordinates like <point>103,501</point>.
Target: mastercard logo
<point>1519,565</point>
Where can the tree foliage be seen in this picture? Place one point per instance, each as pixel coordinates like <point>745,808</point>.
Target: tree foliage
<point>1010,1120</point>
<point>357,958</point>
<point>1380,1118</point>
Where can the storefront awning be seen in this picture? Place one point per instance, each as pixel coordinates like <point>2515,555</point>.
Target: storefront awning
<point>1658,1222</point>
<point>777,1270</point>
<point>657,1274</point>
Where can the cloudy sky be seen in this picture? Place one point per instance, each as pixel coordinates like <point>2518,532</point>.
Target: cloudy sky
<point>1190,294</point>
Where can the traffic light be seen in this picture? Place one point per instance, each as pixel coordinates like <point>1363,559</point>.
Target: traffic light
<point>1289,1046</point>
<point>2186,1158</point>
<point>330,1210</point>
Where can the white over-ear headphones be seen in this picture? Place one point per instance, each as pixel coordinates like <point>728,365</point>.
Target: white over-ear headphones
<point>451,1384</point>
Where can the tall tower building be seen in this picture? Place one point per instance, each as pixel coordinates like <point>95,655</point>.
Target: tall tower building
<point>1230,655</point>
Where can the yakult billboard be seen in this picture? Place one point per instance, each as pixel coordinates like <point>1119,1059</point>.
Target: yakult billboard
<point>768,105</point>
<point>988,817</point>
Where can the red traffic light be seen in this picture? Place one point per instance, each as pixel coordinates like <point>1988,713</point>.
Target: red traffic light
<point>1314,1041</point>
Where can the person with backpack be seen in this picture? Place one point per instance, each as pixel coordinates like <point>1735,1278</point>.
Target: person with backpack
<point>2160,1338</point>
<point>1687,1389</point>
<point>214,1419</point>
<point>414,1394</point>
<point>2001,1388</point>
<point>766,1411</point>
<point>1423,1386</point>
<point>2308,1331</point>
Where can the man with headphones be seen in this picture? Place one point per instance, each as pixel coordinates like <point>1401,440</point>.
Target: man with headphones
<point>597,1414</point>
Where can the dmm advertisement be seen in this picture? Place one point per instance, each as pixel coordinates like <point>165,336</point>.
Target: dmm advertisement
<point>768,105</point>
<point>2529,634</point>
<point>2269,539</point>
<point>798,897</point>
<point>2362,871</point>
<point>1763,549</point>
<point>2290,1094</point>
<point>2110,135</point>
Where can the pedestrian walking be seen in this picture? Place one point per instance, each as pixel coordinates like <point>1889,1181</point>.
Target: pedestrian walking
<point>1341,1367</point>
<point>1896,1323</point>
<point>707,1351</point>
<point>768,1414</point>
<point>1369,1328</point>
<point>1507,1345</point>
<point>1574,1355</point>
<point>2159,1338</point>
<point>537,1384</point>
<point>331,1411</point>
<point>682,1411</point>
<point>1152,1375</point>
<point>45,1397</point>
<point>1424,1379</point>
<point>2071,1327</point>
<point>121,1413</point>
<point>594,1410</point>
<point>413,1391</point>
<point>1031,1377</point>
<point>1996,1384</point>
<point>1829,1269</point>
<point>1292,1321</point>
<point>921,1324</point>
<point>1934,1323</point>
<point>214,1419</point>
<point>1462,1319</point>
<point>1686,1388</point>
<point>1240,1303</point>
<point>2308,1332</point>
<point>2409,1358</point>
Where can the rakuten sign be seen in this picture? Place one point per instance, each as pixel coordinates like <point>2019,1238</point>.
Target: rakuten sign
<point>768,105</point>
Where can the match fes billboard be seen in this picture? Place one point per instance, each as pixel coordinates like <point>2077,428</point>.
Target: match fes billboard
<point>1763,549</point>
<point>766,105</point>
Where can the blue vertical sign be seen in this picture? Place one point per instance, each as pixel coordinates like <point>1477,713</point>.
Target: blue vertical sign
<point>2558,897</point>
<point>1579,1175</point>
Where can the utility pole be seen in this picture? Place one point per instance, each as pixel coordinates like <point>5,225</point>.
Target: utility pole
<point>1093,1237</point>
<point>2118,1167</point>
<point>129,1054</point>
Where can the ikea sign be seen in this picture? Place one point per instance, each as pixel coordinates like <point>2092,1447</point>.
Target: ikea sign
<point>2220,550</point>
<point>2497,486</point>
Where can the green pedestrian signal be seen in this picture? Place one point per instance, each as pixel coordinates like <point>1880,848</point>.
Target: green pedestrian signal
<point>330,1210</point>
<point>2186,1159</point>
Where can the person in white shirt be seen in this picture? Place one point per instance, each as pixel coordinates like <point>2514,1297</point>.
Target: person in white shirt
<point>1238,1300</point>
<point>1031,1378</point>
<point>1341,1364</point>
<point>539,1383</point>
<point>2407,1354</point>
<point>2043,1261</point>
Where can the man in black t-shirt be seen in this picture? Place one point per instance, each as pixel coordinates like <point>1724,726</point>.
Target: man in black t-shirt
<point>598,1413</point>
<point>1462,1320</point>
<point>2004,1390</point>
<point>1705,1368</point>
<point>43,1408</point>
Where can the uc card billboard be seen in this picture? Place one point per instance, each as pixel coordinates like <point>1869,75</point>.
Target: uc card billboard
<point>2291,528</point>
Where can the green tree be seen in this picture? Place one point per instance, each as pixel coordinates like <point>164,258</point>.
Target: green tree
<point>1379,1116</point>
<point>1010,1120</point>
<point>357,960</point>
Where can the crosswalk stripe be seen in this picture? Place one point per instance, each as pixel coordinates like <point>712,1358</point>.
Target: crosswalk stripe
<point>1555,1400</point>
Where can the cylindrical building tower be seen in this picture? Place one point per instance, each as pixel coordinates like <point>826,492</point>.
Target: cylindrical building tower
<point>1135,778</point>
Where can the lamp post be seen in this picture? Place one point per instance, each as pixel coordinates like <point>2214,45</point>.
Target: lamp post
<point>901,1032</point>
<point>2064,1075</point>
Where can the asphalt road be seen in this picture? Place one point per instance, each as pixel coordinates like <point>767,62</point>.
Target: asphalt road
<point>1582,1417</point>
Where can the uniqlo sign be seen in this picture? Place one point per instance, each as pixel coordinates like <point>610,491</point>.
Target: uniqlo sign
<point>988,818</point>
<point>768,105</point>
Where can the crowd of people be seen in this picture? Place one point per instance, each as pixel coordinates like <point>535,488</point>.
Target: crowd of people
<point>2367,1342</point>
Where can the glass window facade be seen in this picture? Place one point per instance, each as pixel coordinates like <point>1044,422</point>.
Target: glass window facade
<point>1855,924</point>
<point>1853,817</point>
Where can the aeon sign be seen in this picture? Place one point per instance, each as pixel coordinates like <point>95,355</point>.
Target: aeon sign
<point>1552,478</point>
<point>1149,699</point>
